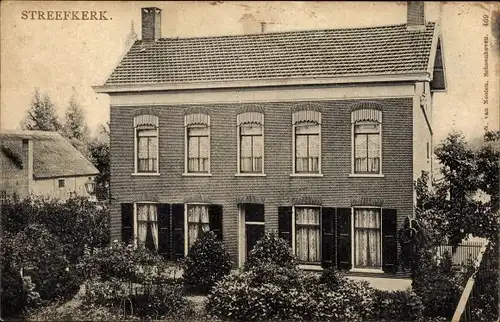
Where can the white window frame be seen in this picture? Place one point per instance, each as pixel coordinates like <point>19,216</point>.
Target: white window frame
<point>353,173</point>
<point>242,242</point>
<point>306,174</point>
<point>135,217</point>
<point>136,172</point>
<point>186,223</point>
<point>238,140</point>
<point>307,266</point>
<point>186,151</point>
<point>353,245</point>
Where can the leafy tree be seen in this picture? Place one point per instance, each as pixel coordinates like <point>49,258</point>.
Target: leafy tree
<point>41,115</point>
<point>75,127</point>
<point>100,157</point>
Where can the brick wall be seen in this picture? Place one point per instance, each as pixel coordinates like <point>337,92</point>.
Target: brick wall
<point>335,188</point>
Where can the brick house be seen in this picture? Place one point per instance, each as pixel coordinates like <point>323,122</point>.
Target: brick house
<point>317,135</point>
<point>42,163</point>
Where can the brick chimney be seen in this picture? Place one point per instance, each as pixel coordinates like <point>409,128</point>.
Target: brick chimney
<point>415,18</point>
<point>27,158</point>
<point>151,24</point>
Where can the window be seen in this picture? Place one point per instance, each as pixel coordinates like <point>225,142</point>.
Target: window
<point>251,142</point>
<point>307,141</point>
<point>61,183</point>
<point>367,141</point>
<point>367,238</point>
<point>197,222</point>
<point>147,226</point>
<point>307,234</point>
<point>146,142</point>
<point>197,143</point>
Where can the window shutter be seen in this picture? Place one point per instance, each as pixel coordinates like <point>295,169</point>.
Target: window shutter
<point>344,244</point>
<point>285,224</point>
<point>328,237</point>
<point>127,222</point>
<point>389,240</point>
<point>177,231</point>
<point>164,229</point>
<point>215,220</point>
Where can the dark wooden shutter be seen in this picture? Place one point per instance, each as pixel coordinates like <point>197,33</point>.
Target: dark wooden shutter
<point>327,237</point>
<point>127,222</point>
<point>215,219</point>
<point>285,224</point>
<point>164,229</point>
<point>344,244</point>
<point>177,231</point>
<point>389,240</point>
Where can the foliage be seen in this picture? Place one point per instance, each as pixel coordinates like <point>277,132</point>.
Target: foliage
<point>161,302</point>
<point>206,263</point>
<point>76,223</point>
<point>41,115</point>
<point>13,297</point>
<point>271,249</point>
<point>57,311</point>
<point>75,125</point>
<point>123,262</point>
<point>397,306</point>
<point>332,278</point>
<point>100,157</point>
<point>273,292</point>
<point>437,284</point>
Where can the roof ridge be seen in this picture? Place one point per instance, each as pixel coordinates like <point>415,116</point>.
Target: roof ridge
<point>428,23</point>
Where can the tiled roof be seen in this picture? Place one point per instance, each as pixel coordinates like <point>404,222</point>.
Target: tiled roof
<point>53,155</point>
<point>387,50</point>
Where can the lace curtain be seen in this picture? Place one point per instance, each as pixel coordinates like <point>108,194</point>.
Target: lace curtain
<point>307,234</point>
<point>198,222</point>
<point>367,238</point>
<point>147,226</point>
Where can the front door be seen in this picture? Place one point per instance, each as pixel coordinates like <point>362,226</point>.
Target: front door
<point>254,225</point>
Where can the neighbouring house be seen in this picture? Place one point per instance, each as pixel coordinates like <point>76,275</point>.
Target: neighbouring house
<point>316,134</point>
<point>42,163</point>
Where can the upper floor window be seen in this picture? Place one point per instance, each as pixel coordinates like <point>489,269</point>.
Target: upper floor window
<point>367,141</point>
<point>146,138</point>
<point>197,143</point>
<point>307,141</point>
<point>251,142</point>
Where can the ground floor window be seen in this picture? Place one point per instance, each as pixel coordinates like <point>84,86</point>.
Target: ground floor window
<point>147,226</point>
<point>367,238</point>
<point>307,234</point>
<point>197,222</point>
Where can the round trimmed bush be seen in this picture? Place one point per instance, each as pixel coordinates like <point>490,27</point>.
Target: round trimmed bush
<point>206,263</point>
<point>271,249</point>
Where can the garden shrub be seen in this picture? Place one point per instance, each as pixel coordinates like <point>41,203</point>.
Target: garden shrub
<point>332,278</point>
<point>124,262</point>
<point>160,302</point>
<point>273,292</point>
<point>13,297</point>
<point>397,306</point>
<point>271,249</point>
<point>206,263</point>
<point>42,257</point>
<point>438,285</point>
<point>57,311</point>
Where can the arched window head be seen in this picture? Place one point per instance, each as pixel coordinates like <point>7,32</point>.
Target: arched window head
<point>146,142</point>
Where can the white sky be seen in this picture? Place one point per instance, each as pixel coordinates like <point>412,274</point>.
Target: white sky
<point>58,55</point>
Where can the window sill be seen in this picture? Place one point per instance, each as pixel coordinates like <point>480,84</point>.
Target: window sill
<point>306,175</point>
<point>366,270</point>
<point>309,267</point>
<point>366,175</point>
<point>187,174</point>
<point>249,174</point>
<point>145,174</point>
